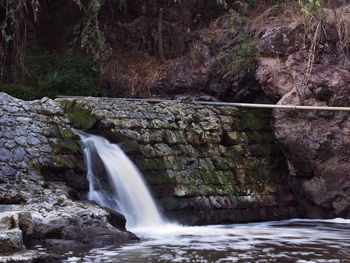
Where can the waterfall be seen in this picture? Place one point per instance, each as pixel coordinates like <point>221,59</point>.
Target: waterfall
<point>123,189</point>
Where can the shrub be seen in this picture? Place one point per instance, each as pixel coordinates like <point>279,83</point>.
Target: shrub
<point>55,74</point>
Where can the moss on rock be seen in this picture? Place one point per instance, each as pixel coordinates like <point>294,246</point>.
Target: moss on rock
<point>81,119</point>
<point>154,164</point>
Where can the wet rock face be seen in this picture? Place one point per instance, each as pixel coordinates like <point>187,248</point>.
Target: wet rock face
<point>204,164</point>
<point>315,143</point>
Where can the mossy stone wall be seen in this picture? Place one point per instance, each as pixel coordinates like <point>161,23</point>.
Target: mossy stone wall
<point>203,164</point>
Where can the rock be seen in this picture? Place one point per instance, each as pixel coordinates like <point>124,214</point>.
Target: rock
<point>76,181</point>
<point>25,223</point>
<point>8,170</point>
<point>162,149</point>
<point>78,226</point>
<point>11,241</point>
<point>21,141</point>
<point>32,140</point>
<point>10,144</point>
<point>115,219</point>
<point>29,256</point>
<point>6,222</point>
<point>11,197</point>
<point>8,132</point>
<point>275,77</point>
<point>50,107</point>
<point>280,41</point>
<point>5,155</point>
<point>315,143</point>
<point>18,154</point>
<point>11,238</point>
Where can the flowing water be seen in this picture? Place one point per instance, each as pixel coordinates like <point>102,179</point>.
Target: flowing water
<point>291,241</point>
<point>297,240</point>
<point>128,193</point>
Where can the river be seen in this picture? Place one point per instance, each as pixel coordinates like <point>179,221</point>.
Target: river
<point>297,241</point>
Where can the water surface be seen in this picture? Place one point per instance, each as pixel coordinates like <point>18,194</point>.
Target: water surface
<point>300,241</point>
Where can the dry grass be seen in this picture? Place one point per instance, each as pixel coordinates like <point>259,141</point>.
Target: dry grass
<point>317,23</point>
<point>137,73</point>
<point>342,23</point>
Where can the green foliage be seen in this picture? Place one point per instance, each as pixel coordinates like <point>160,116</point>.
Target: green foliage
<point>244,56</point>
<point>310,6</point>
<point>240,58</point>
<point>22,92</point>
<point>88,32</point>
<point>246,4</point>
<point>53,74</point>
<point>73,75</point>
<point>234,18</point>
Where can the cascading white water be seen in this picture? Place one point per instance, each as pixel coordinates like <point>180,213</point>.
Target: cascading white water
<point>127,193</point>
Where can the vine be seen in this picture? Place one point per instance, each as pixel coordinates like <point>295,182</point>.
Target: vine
<point>13,30</point>
<point>88,32</point>
<point>14,18</point>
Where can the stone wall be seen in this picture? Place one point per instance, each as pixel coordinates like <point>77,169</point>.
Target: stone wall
<point>41,176</point>
<point>204,164</point>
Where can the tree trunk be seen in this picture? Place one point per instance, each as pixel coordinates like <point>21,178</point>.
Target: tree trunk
<point>160,40</point>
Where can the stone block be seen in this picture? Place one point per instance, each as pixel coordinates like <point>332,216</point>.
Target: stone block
<point>194,138</point>
<point>160,124</point>
<point>186,150</point>
<point>162,149</point>
<point>148,151</point>
<point>233,138</point>
<point>205,164</point>
<point>131,134</point>
<point>174,137</point>
<point>151,136</point>
<point>212,136</point>
<point>224,163</point>
<point>6,221</point>
<point>131,123</point>
<point>154,164</point>
<point>174,163</point>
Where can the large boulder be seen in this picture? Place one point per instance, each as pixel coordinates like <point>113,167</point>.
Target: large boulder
<point>68,225</point>
<point>11,236</point>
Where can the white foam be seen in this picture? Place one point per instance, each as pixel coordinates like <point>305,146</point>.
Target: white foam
<point>130,195</point>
